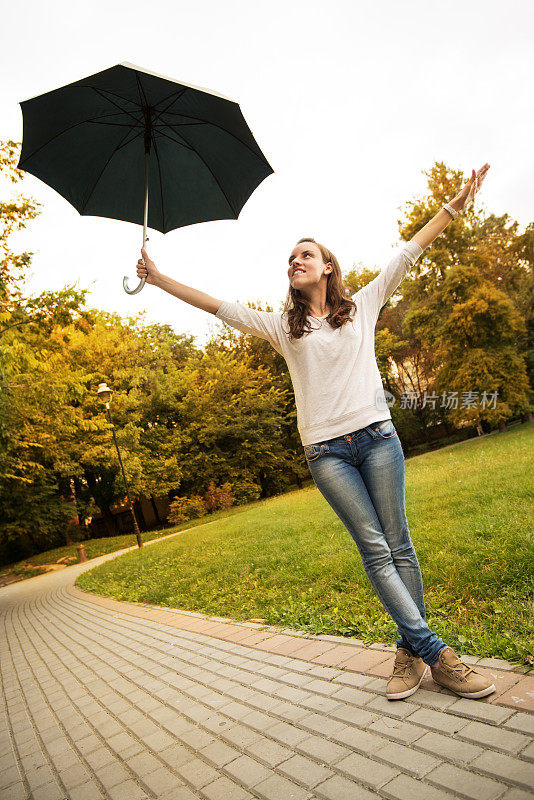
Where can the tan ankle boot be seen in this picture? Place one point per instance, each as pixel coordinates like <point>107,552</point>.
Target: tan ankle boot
<point>408,672</point>
<point>459,677</point>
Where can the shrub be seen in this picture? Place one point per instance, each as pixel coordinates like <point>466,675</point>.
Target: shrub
<point>218,497</point>
<point>184,508</point>
<point>245,491</point>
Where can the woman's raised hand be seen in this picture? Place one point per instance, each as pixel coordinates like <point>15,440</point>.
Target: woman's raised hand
<point>146,268</point>
<point>467,192</point>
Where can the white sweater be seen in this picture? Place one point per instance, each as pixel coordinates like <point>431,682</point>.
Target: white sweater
<point>337,385</point>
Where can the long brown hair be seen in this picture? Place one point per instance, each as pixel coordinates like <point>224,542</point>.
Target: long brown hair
<point>297,307</point>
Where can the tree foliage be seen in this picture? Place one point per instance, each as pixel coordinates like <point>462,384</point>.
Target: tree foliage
<point>463,326</point>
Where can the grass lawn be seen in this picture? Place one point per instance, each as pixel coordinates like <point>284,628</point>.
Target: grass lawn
<point>34,565</point>
<point>290,560</point>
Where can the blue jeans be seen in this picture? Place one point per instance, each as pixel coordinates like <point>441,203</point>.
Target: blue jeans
<point>361,476</point>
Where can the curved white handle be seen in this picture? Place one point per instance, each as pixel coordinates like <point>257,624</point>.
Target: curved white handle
<point>137,288</point>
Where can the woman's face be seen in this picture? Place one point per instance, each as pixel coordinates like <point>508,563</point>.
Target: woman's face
<point>306,266</point>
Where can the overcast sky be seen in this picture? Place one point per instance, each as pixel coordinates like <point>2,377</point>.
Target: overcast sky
<point>349,101</point>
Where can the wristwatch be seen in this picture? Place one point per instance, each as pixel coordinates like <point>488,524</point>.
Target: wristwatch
<point>451,210</point>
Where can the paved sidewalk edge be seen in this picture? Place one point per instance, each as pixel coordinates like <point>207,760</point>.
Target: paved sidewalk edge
<point>336,653</point>
<point>494,663</point>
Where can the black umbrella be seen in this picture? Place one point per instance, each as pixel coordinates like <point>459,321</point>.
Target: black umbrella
<point>107,141</point>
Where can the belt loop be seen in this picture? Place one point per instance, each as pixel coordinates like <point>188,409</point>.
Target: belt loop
<point>373,433</point>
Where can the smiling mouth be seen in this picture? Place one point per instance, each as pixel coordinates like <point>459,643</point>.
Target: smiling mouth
<point>298,272</point>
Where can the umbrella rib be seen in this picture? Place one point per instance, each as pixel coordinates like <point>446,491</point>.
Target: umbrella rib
<point>103,168</point>
<point>185,124</point>
<point>213,175</point>
<point>159,113</point>
<point>99,92</point>
<point>111,114</point>
<point>116,124</point>
<point>108,91</point>
<point>65,130</point>
<point>124,144</point>
<point>162,133</point>
<point>140,89</point>
<point>209,122</point>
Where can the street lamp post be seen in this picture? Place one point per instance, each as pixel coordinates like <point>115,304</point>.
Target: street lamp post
<point>104,392</point>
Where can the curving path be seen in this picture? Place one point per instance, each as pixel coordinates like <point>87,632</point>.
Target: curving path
<point>102,699</point>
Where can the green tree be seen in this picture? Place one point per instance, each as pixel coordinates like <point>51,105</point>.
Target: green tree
<point>234,433</point>
<point>261,353</point>
<point>460,325</point>
<point>32,510</point>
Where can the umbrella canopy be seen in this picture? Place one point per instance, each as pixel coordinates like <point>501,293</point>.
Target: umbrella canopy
<point>109,141</point>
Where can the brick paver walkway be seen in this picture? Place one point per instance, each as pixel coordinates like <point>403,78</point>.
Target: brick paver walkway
<point>103,699</point>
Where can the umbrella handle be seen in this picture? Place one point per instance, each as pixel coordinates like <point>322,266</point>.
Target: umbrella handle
<point>137,288</point>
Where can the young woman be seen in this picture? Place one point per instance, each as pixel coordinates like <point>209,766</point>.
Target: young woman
<point>349,440</point>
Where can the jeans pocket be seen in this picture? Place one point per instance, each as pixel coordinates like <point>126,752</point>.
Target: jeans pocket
<point>314,451</point>
<point>385,428</point>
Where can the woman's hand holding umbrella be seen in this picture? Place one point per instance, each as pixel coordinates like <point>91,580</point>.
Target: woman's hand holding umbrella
<point>147,269</point>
